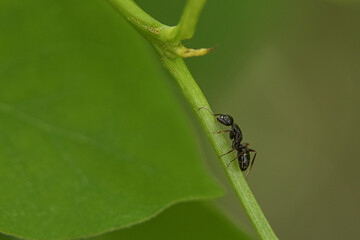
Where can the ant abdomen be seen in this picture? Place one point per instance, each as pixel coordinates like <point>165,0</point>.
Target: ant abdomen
<point>244,161</point>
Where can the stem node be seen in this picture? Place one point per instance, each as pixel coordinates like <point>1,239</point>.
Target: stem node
<point>189,52</point>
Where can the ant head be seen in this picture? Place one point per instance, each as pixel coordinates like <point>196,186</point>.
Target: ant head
<point>225,119</point>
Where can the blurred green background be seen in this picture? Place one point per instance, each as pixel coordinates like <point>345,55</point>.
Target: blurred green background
<point>288,72</point>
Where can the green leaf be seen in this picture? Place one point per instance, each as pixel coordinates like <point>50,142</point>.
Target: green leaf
<point>91,139</point>
<point>205,223</point>
<point>194,220</point>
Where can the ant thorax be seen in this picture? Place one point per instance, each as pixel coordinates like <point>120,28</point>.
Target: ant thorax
<point>236,145</point>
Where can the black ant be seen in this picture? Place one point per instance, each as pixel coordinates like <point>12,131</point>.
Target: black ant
<point>243,152</point>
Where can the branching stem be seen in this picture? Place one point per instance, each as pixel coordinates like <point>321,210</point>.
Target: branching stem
<point>189,19</point>
<point>167,42</point>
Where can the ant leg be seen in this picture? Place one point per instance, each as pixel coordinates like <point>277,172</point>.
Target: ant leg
<point>224,131</point>
<point>214,114</point>
<point>238,155</point>
<point>252,162</point>
<point>232,150</point>
<point>230,162</point>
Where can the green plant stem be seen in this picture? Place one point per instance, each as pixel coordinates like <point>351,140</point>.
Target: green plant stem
<point>169,40</point>
<point>146,25</point>
<point>195,97</point>
<point>188,21</point>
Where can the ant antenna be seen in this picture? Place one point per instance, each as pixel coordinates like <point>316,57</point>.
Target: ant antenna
<point>214,114</point>
<point>206,109</point>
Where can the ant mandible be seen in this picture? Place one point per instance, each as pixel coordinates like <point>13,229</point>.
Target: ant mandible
<point>243,151</point>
